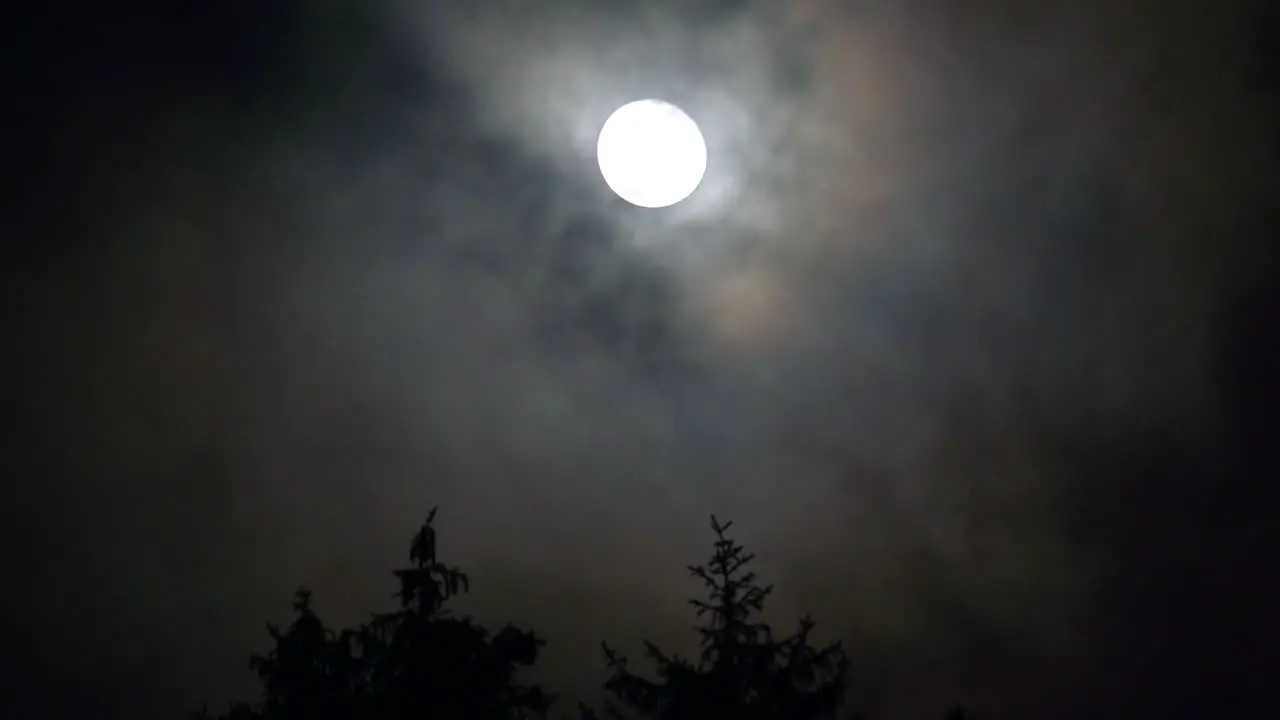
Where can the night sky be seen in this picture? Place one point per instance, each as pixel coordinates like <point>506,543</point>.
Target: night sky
<point>969,329</point>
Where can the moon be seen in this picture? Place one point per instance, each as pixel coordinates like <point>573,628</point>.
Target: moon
<point>651,153</point>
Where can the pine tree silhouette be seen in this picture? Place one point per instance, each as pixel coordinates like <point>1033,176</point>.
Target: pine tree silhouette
<point>419,661</point>
<point>308,673</point>
<point>743,670</point>
<point>427,662</point>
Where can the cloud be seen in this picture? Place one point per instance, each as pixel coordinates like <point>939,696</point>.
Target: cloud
<point>936,254</point>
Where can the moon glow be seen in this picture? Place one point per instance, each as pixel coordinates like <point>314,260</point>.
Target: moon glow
<point>651,153</point>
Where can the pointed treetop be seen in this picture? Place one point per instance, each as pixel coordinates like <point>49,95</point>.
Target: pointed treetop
<point>743,670</point>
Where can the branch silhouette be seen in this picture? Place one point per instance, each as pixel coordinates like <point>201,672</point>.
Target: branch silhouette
<point>419,660</point>
<point>743,670</point>
<point>416,661</point>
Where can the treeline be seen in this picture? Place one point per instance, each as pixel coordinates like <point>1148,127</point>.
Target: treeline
<point>422,661</point>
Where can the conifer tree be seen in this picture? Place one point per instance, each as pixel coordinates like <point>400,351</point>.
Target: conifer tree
<point>308,673</point>
<point>418,661</point>
<point>422,661</point>
<point>743,671</point>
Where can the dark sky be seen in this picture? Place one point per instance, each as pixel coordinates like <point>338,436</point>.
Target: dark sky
<point>969,328</point>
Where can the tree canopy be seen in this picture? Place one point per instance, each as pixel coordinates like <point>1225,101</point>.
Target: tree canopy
<point>745,670</point>
<point>419,660</point>
<point>416,661</point>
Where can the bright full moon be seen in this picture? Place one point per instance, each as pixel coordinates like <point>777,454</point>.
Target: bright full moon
<point>651,153</point>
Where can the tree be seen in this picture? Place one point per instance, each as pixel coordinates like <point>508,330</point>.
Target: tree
<point>417,661</point>
<point>310,672</point>
<point>743,671</point>
<point>424,659</point>
<point>420,661</point>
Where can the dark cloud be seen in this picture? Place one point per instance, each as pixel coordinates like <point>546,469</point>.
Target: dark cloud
<point>950,330</point>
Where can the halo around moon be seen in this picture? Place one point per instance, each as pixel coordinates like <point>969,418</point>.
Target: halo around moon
<point>651,153</point>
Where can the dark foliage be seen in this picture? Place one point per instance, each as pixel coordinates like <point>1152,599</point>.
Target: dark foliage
<point>745,670</point>
<point>417,661</point>
<point>420,661</point>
